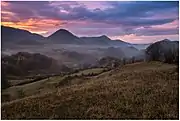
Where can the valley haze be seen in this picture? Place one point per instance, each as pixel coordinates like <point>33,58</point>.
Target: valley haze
<point>62,40</point>
<point>90,60</point>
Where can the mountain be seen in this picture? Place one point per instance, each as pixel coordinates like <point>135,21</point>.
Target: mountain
<point>119,43</point>
<point>120,52</point>
<point>63,36</point>
<point>101,40</point>
<point>29,42</point>
<point>13,35</point>
<point>104,40</point>
<point>164,50</point>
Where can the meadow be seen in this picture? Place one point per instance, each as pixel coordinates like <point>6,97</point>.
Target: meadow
<point>134,91</point>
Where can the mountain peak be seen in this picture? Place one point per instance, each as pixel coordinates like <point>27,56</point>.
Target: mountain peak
<point>166,40</point>
<point>105,37</point>
<point>63,31</point>
<point>63,36</point>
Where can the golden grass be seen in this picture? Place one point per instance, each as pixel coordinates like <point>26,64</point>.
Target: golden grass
<point>44,85</point>
<point>135,91</point>
<point>34,88</point>
<point>89,71</point>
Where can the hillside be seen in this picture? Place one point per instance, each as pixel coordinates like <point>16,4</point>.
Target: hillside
<point>101,40</point>
<point>113,52</point>
<point>73,59</point>
<point>24,64</point>
<point>134,91</point>
<point>164,50</point>
<point>118,43</point>
<point>109,62</point>
<point>130,51</point>
<point>20,36</point>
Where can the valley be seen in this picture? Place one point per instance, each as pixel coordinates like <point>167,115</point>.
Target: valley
<point>89,60</point>
<point>68,77</point>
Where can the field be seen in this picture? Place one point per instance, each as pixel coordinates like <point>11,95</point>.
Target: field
<point>89,71</point>
<point>30,87</point>
<point>134,91</point>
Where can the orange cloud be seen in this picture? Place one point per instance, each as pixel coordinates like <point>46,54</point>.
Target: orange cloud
<point>39,26</point>
<point>34,25</point>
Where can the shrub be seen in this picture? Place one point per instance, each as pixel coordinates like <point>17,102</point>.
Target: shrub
<point>21,94</point>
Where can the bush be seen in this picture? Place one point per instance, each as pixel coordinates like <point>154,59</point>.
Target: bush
<point>21,94</point>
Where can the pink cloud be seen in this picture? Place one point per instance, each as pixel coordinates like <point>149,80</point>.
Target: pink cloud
<point>94,5</point>
<point>133,38</point>
<point>174,24</point>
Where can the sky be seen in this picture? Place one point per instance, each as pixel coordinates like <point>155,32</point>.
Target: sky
<point>130,21</point>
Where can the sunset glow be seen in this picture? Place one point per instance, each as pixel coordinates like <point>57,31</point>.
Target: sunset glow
<point>118,20</point>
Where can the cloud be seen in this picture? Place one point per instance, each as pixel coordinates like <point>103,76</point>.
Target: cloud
<point>35,25</point>
<point>94,18</point>
<point>133,38</point>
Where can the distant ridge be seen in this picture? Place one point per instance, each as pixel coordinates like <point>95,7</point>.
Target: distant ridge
<point>101,40</point>
<point>61,36</point>
<point>14,35</point>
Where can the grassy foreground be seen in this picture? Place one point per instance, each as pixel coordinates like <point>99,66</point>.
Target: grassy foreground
<point>134,91</point>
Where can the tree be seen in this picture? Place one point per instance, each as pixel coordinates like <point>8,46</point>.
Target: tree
<point>133,59</point>
<point>176,59</point>
<point>82,74</point>
<point>4,81</point>
<point>172,56</point>
<point>153,52</point>
<point>124,61</point>
<point>168,56</point>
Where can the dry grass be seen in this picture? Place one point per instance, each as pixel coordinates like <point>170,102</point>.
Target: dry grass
<point>89,71</point>
<point>136,91</point>
<point>34,88</point>
<point>44,85</point>
<point>17,82</point>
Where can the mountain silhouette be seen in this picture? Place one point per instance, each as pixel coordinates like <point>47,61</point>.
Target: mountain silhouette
<point>101,40</point>
<point>63,36</point>
<point>13,35</point>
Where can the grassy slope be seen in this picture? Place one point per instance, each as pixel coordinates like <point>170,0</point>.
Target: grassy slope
<point>42,86</point>
<point>135,91</point>
<point>88,71</point>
